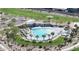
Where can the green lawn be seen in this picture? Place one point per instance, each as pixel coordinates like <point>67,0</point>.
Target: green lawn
<point>75,49</point>
<point>38,15</point>
<point>26,13</point>
<point>56,42</point>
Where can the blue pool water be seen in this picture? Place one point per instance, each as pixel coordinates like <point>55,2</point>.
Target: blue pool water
<point>41,31</point>
<point>45,31</point>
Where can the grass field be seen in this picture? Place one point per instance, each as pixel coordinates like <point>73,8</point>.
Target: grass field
<point>56,42</point>
<point>75,49</point>
<point>38,15</point>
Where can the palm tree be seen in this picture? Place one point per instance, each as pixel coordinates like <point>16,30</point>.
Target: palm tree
<point>52,33</point>
<point>31,36</point>
<point>43,36</point>
<point>37,37</point>
<point>49,36</point>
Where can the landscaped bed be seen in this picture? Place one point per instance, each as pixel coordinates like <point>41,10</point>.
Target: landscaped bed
<point>38,15</point>
<point>56,42</point>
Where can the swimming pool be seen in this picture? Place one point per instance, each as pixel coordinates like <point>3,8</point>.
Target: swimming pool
<point>40,31</point>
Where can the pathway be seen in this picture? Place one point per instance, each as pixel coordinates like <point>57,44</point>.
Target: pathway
<point>70,48</point>
<point>3,47</point>
<point>56,37</point>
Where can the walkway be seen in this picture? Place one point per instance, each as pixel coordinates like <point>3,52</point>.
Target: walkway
<point>70,48</point>
<point>56,37</point>
<point>3,47</point>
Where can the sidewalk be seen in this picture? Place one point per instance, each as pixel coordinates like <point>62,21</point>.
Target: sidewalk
<point>70,48</point>
<point>56,37</point>
<point>3,47</point>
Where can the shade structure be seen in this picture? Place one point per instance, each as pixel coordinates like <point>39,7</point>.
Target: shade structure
<point>30,21</point>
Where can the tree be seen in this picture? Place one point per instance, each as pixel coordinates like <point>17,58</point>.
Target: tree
<point>66,28</point>
<point>12,23</point>
<point>76,28</point>
<point>4,19</point>
<point>2,33</point>
<point>14,20</point>
<point>73,32</point>
<point>59,47</point>
<point>68,23</point>
<point>1,12</point>
<point>34,41</point>
<point>52,33</point>
<point>40,46</point>
<point>15,30</point>
<point>37,37</point>
<point>49,18</point>
<point>31,36</point>
<point>43,36</point>
<point>50,41</point>
<point>71,35</point>
<point>49,36</point>
<point>65,39</point>
<point>70,40</point>
<point>7,32</point>
<point>12,32</point>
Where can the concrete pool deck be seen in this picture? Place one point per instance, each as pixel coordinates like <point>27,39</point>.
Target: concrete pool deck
<point>57,32</point>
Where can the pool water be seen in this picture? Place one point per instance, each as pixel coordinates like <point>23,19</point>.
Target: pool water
<point>41,31</point>
<point>44,31</point>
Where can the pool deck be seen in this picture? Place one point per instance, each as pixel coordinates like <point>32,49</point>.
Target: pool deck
<point>57,34</point>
